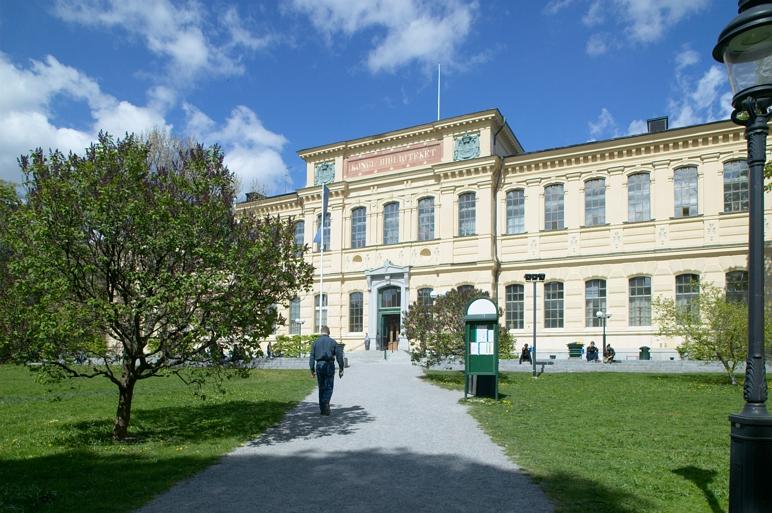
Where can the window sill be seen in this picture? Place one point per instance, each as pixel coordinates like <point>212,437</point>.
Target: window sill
<point>733,212</point>
<point>695,216</point>
<point>639,222</point>
<point>564,229</point>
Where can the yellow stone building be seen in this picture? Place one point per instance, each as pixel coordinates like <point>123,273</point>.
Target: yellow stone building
<point>458,202</point>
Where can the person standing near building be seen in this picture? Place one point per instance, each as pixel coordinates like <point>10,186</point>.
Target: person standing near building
<point>324,352</point>
<point>367,341</point>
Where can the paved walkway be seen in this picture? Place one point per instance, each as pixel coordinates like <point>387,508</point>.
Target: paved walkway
<point>393,444</point>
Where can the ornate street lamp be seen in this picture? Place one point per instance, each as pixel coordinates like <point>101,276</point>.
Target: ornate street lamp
<point>602,314</point>
<point>745,46</point>
<point>534,278</point>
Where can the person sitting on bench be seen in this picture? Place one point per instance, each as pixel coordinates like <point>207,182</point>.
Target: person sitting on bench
<point>610,353</point>
<point>592,352</point>
<point>525,354</point>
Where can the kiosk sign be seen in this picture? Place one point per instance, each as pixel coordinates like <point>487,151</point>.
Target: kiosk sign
<point>481,336</point>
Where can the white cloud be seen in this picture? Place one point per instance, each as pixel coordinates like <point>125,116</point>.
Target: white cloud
<point>637,126</point>
<point>596,45</point>
<point>27,111</point>
<point>604,127</point>
<point>181,33</point>
<point>555,6</point>
<point>594,15</point>
<point>699,97</point>
<point>252,151</point>
<point>647,20</point>
<point>685,58</point>
<point>415,30</point>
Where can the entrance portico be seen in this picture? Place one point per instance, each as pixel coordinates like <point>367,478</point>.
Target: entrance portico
<point>388,288</point>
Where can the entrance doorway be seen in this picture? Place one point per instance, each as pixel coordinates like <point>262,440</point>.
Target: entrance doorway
<point>390,331</point>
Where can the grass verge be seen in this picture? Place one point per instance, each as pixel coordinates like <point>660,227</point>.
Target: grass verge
<point>615,443</point>
<point>56,453</point>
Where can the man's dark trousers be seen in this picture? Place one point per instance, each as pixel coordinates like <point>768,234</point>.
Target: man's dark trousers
<point>325,376</point>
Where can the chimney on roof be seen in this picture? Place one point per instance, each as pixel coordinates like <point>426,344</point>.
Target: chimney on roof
<point>657,124</point>
<point>255,196</point>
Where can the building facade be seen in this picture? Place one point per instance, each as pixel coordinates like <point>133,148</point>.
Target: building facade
<point>612,224</point>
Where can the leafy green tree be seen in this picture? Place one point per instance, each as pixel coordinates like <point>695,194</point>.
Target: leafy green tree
<point>436,331</point>
<point>131,259</point>
<point>9,203</point>
<point>712,328</point>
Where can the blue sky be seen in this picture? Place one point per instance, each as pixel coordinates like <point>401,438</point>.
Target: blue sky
<point>265,79</point>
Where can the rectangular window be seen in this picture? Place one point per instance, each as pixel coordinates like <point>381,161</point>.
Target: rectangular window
<point>553,305</point>
<point>426,219</point>
<point>358,227</point>
<point>640,301</point>
<point>516,211</point>
<point>391,223</point>
<point>736,186</point>
<point>466,214</point>
<point>595,202</point>
<point>685,183</point>
<point>320,313</point>
<point>515,307</point>
<point>425,297</point>
<point>300,228</point>
<point>325,231</point>
<point>355,309</point>
<point>553,207</point>
<point>294,316</point>
<point>594,302</point>
<point>638,198</point>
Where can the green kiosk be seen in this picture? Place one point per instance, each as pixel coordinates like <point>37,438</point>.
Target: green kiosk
<point>481,337</point>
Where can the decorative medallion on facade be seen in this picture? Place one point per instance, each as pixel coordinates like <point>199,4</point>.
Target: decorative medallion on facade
<point>324,172</point>
<point>467,146</point>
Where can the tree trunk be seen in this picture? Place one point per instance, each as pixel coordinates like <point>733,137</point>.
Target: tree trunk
<point>729,370</point>
<point>123,415</point>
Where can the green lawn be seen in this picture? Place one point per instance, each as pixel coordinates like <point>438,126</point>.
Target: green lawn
<point>616,443</point>
<point>56,453</point>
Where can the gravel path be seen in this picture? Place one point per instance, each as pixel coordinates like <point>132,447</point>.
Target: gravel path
<point>392,444</point>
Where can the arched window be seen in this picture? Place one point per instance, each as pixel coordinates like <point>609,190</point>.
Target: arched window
<point>737,286</point>
<point>465,289</point>
<point>391,223</point>
<point>426,219</point>
<point>553,305</point>
<point>685,184</point>
<point>358,227</point>
<point>515,306</point>
<point>594,301</point>
<point>687,292</point>
<point>294,316</point>
<point>516,211</point>
<point>466,214</point>
<point>553,207</point>
<point>425,296</point>
<point>638,197</point>
<point>595,202</point>
<point>355,310</point>
<point>320,313</point>
<point>736,186</point>
<point>640,301</point>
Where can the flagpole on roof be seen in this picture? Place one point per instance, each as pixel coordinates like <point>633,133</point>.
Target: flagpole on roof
<point>438,90</point>
<point>321,253</point>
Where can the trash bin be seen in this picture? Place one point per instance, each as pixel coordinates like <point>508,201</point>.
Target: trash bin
<point>645,353</point>
<point>575,349</point>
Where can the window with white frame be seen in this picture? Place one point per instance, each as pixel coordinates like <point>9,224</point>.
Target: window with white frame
<point>426,219</point>
<point>553,304</point>
<point>594,302</point>
<point>516,211</point>
<point>425,296</point>
<point>294,316</point>
<point>639,300</point>
<point>325,231</point>
<point>320,312</point>
<point>355,311</point>
<point>391,223</point>
<point>737,286</point>
<point>553,207</point>
<point>688,293</point>
<point>515,306</point>
<point>300,228</point>
<point>358,227</point>
<point>685,186</point>
<point>595,202</point>
<point>736,186</point>
<point>466,214</point>
<point>638,197</point>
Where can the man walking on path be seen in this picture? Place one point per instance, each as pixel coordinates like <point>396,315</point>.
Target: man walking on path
<point>322,362</point>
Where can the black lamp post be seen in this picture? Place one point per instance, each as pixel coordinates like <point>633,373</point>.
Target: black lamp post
<point>745,46</point>
<point>534,278</point>
<point>602,314</point>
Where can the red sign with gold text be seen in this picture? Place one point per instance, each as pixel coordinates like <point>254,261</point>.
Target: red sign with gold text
<point>419,154</point>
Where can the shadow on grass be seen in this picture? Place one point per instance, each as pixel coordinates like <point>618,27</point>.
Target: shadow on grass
<point>715,379</point>
<point>579,495</point>
<point>304,422</point>
<point>702,478</point>
<point>174,424</point>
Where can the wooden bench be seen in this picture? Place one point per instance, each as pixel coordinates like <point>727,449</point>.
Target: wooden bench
<point>543,363</point>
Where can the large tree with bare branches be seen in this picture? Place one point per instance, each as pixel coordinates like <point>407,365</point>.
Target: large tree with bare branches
<point>129,262</point>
